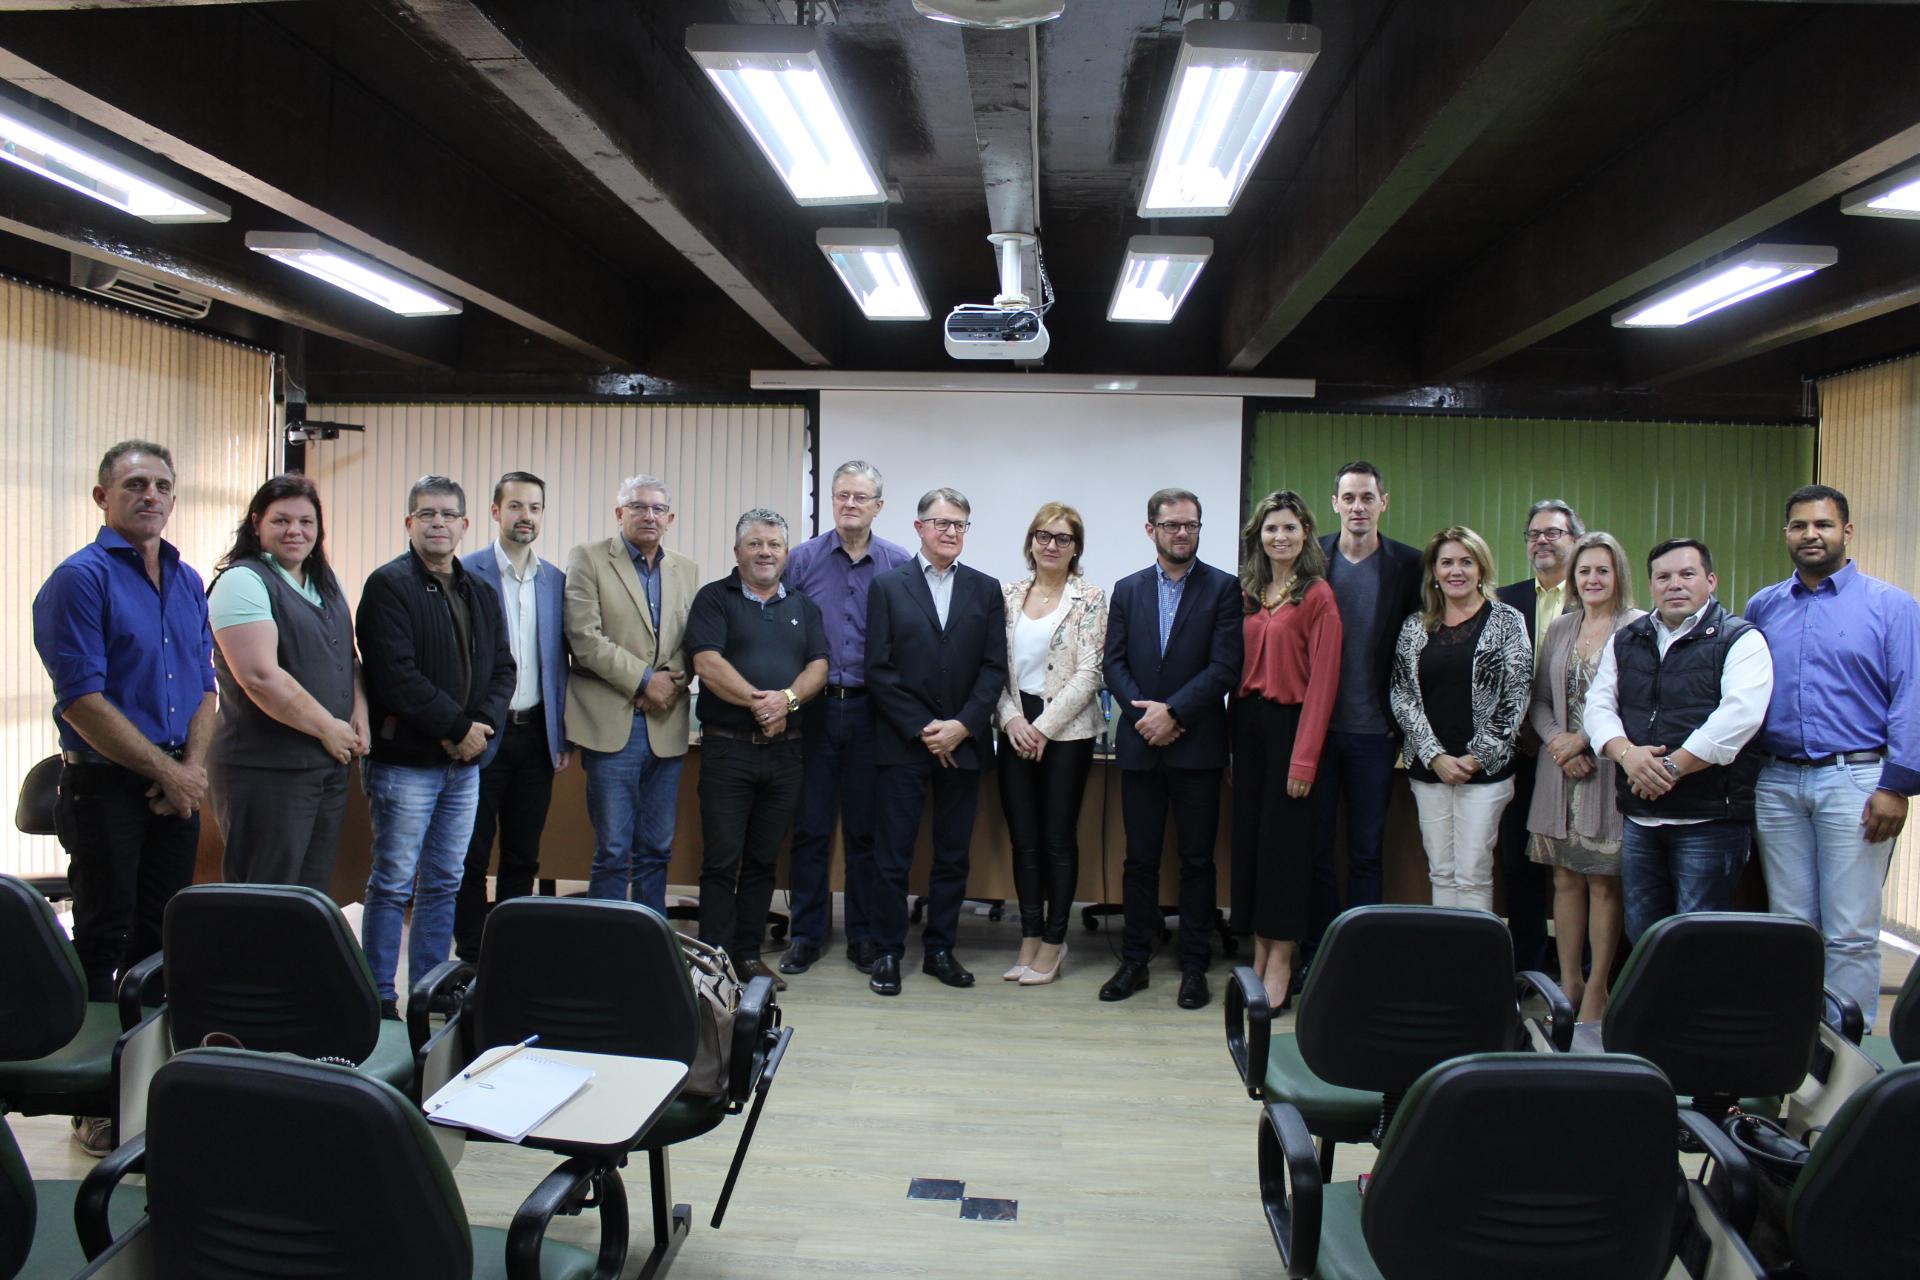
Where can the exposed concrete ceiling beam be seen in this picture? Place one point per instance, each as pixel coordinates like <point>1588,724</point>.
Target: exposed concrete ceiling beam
<point>608,115</point>
<point>1434,78</point>
<point>1803,121</point>
<point>289,134</point>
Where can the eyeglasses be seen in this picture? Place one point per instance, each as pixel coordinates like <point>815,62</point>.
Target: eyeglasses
<point>646,508</point>
<point>943,525</point>
<point>1547,535</point>
<point>854,499</point>
<point>1177,526</point>
<point>1041,538</point>
<point>427,515</point>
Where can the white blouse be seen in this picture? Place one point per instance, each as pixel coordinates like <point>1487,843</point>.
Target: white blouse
<point>1031,639</point>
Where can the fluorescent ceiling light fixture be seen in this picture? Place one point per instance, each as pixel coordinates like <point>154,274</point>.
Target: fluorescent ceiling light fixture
<point>1748,273</point>
<point>342,268</point>
<point>774,80</point>
<point>78,163</point>
<point>1230,87</point>
<point>1156,276</point>
<point>1897,195</point>
<point>873,265</point>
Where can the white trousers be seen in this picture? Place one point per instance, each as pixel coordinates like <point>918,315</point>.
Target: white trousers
<point>1458,825</point>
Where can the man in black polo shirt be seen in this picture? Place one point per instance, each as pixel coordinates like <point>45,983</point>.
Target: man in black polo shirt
<point>760,651</point>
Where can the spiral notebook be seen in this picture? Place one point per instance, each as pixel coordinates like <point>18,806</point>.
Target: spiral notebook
<point>510,1100</point>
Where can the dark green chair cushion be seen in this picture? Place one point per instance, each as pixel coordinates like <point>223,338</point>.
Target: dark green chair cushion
<point>1881,1050</point>
<point>76,1080</point>
<point>56,1250</point>
<point>392,1057</point>
<point>1344,1115</point>
<point>558,1261</point>
<point>1343,1246</point>
<point>687,1116</point>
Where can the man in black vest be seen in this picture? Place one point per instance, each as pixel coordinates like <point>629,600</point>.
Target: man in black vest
<point>1676,702</point>
<point>936,664</point>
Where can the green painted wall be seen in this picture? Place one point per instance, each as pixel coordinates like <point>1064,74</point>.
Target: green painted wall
<point>1641,481</point>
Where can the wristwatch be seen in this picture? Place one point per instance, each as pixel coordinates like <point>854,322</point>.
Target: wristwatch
<point>1673,770</point>
<point>793,701</point>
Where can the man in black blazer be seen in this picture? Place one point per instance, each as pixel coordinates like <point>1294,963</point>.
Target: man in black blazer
<point>1552,529</point>
<point>1173,655</point>
<point>936,663</point>
<point>1376,583</point>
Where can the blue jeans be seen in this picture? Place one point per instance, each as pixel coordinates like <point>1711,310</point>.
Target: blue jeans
<point>1820,870</point>
<point>838,772</point>
<point>1676,869</point>
<point>1359,768</point>
<point>422,821</point>
<point>631,795</point>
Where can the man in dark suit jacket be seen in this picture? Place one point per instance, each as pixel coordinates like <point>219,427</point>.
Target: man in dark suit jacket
<point>1552,529</point>
<point>936,663</point>
<point>517,768</point>
<point>1376,582</point>
<point>1173,655</point>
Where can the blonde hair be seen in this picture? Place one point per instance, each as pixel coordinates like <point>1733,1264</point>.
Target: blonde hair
<point>1432,603</point>
<point>1046,515</point>
<point>1622,571</point>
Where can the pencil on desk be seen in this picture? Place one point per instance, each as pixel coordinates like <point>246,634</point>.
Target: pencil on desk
<point>471,1074</point>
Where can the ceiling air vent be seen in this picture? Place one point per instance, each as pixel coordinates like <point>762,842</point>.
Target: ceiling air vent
<point>149,293</point>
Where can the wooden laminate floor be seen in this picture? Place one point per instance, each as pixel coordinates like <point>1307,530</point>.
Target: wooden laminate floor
<point>1120,1129</point>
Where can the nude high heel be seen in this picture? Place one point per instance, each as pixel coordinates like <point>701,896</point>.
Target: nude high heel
<point>1039,978</point>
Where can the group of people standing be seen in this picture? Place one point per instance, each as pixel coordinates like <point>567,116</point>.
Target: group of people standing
<point>845,681</point>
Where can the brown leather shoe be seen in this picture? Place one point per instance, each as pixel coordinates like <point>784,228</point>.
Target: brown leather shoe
<point>757,968</point>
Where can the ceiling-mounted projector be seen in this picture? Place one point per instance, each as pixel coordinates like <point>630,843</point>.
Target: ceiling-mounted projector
<point>995,15</point>
<point>1009,328</point>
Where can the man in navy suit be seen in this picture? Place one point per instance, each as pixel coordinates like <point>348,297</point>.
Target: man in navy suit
<point>936,664</point>
<point>517,768</point>
<point>1173,655</point>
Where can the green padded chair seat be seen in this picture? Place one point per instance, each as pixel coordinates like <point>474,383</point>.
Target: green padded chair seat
<point>76,1080</point>
<point>392,1057</point>
<point>56,1250</point>
<point>1880,1049</point>
<point>1343,1247</point>
<point>1345,1115</point>
<point>687,1116</point>
<point>558,1261</point>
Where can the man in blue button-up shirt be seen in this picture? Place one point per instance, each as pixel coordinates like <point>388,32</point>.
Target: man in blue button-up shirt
<point>122,628</point>
<point>1843,731</point>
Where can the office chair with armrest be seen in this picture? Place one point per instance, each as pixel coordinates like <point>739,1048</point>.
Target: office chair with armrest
<point>1394,990</point>
<point>33,816</point>
<point>366,1194</point>
<point>1851,1212</point>
<point>1838,1068</point>
<point>1510,1164</point>
<point>609,977</point>
<point>1901,1043</point>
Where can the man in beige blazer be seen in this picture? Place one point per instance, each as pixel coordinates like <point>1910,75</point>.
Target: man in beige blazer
<point>627,601</point>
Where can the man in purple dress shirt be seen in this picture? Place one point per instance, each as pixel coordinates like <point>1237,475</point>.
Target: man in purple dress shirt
<point>1843,734</point>
<point>834,570</point>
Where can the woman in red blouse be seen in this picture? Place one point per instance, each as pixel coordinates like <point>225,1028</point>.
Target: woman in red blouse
<point>1280,713</point>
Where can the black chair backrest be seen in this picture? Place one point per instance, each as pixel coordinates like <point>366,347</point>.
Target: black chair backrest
<point>274,966</point>
<point>1523,1164</point>
<point>1903,1028</point>
<point>33,814</point>
<point>589,975</point>
<point>1724,1002</point>
<point>272,1166</point>
<point>43,990</point>
<point>19,1208</point>
<point>1396,990</point>
<point>1851,1211</point>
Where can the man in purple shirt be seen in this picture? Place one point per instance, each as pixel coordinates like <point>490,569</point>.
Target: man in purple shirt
<point>834,570</point>
<point>1843,734</point>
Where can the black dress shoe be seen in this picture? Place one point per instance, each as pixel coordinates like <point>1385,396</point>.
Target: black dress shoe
<point>946,967</point>
<point>886,976</point>
<point>390,1010</point>
<point>862,954</point>
<point>757,968</point>
<point>799,958</point>
<point>1193,990</point>
<point>1130,977</point>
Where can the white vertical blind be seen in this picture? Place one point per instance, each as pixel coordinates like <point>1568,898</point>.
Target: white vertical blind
<point>719,460</point>
<point>1870,451</point>
<point>75,377</point>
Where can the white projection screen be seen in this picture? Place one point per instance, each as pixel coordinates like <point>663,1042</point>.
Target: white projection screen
<point>1101,453</point>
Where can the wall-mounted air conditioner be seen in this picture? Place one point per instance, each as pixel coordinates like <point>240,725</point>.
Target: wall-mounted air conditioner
<point>136,289</point>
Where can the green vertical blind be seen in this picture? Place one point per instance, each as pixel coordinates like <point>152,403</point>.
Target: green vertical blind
<point>1641,481</point>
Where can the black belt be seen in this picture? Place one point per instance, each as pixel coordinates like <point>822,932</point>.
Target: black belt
<point>532,715</point>
<point>757,739</point>
<point>95,758</point>
<point>1844,757</point>
<point>844,691</point>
